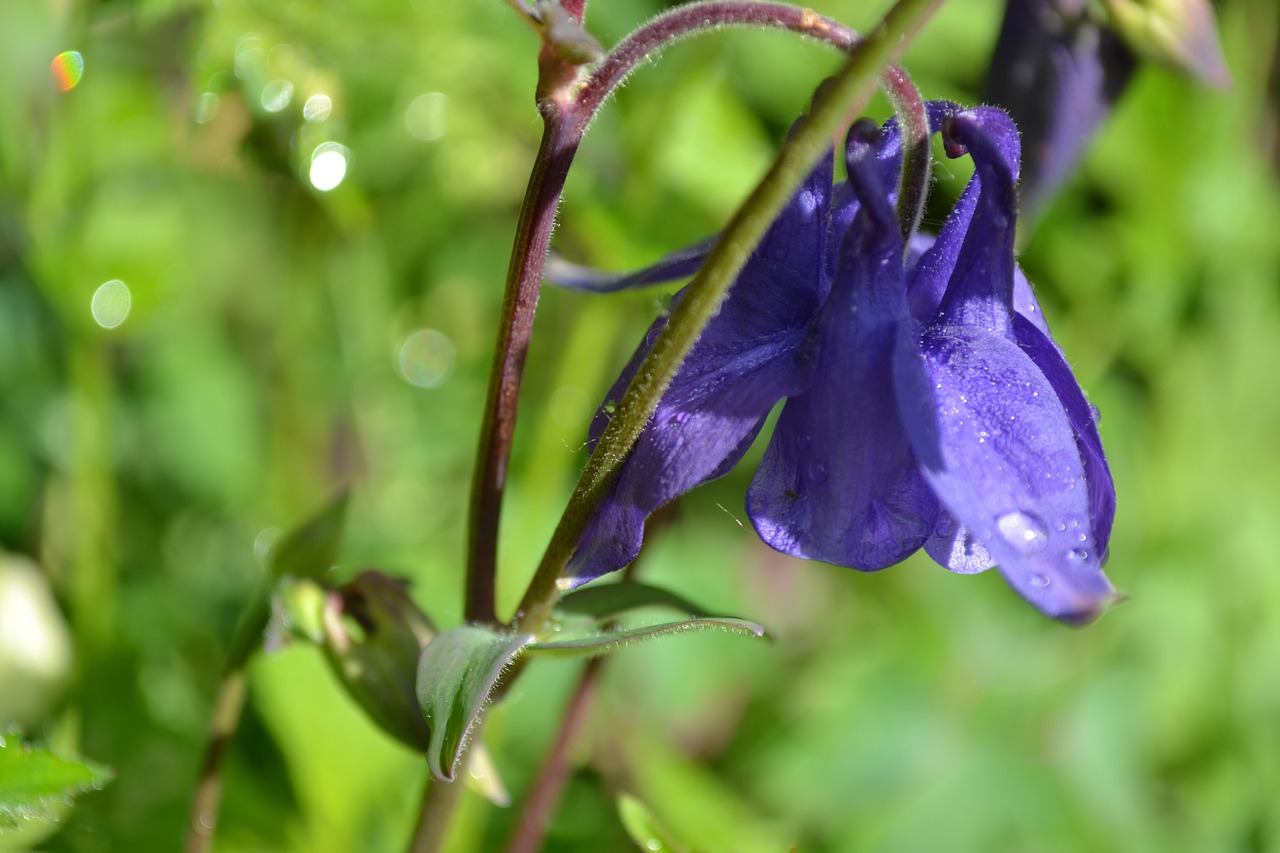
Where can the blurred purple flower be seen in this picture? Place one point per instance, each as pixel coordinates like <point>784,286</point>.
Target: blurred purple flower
<point>1057,71</point>
<point>927,405</point>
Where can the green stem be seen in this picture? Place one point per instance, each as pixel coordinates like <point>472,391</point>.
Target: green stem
<point>438,804</point>
<point>227,706</point>
<point>846,93</point>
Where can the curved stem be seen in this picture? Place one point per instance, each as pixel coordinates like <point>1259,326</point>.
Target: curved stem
<point>847,92</point>
<point>524,276</point>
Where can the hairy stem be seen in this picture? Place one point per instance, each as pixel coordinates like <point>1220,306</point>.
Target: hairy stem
<point>913,123</point>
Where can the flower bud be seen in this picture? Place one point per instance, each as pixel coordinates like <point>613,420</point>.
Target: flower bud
<point>1178,33</point>
<point>372,635</point>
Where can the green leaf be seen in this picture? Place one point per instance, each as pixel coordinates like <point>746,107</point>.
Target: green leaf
<point>309,550</point>
<point>457,673</point>
<point>644,828</point>
<point>611,641</point>
<point>36,784</point>
<point>610,600</point>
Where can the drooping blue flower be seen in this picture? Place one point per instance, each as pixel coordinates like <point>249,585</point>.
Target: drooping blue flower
<point>927,405</point>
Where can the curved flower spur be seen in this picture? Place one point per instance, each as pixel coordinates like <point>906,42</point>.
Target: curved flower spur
<point>927,405</point>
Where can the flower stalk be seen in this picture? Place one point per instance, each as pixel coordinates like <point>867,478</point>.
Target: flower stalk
<point>846,93</point>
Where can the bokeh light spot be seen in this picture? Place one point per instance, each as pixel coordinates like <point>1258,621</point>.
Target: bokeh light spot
<point>570,406</point>
<point>67,68</point>
<point>317,108</point>
<point>111,303</point>
<point>424,117</point>
<point>207,107</point>
<point>276,95</point>
<point>250,56</point>
<point>328,165</point>
<point>265,541</point>
<point>426,358</point>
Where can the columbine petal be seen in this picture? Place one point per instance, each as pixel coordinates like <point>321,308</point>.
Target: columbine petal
<point>993,437</point>
<point>679,264</point>
<point>838,481</point>
<point>750,355</point>
<point>1036,343</point>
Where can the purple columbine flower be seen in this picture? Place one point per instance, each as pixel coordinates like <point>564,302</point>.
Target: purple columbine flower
<point>927,406</point>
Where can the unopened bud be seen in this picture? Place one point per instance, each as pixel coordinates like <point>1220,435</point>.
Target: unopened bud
<point>1178,33</point>
<point>373,634</point>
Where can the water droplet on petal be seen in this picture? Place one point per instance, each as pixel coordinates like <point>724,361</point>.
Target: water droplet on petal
<point>1077,555</point>
<point>1040,581</point>
<point>803,441</point>
<point>1023,531</point>
<point>946,525</point>
<point>817,472</point>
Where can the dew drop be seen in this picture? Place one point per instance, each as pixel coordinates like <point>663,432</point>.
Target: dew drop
<point>1040,581</point>
<point>817,472</point>
<point>1022,530</point>
<point>1077,555</point>
<point>803,441</point>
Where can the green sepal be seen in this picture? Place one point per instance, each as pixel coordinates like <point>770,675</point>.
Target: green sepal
<point>611,641</point>
<point>36,784</point>
<point>457,674</point>
<point>311,549</point>
<point>610,600</point>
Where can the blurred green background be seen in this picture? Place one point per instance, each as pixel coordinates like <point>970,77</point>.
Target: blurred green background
<point>282,340</point>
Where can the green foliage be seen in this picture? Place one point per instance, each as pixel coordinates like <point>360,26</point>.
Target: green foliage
<point>36,784</point>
